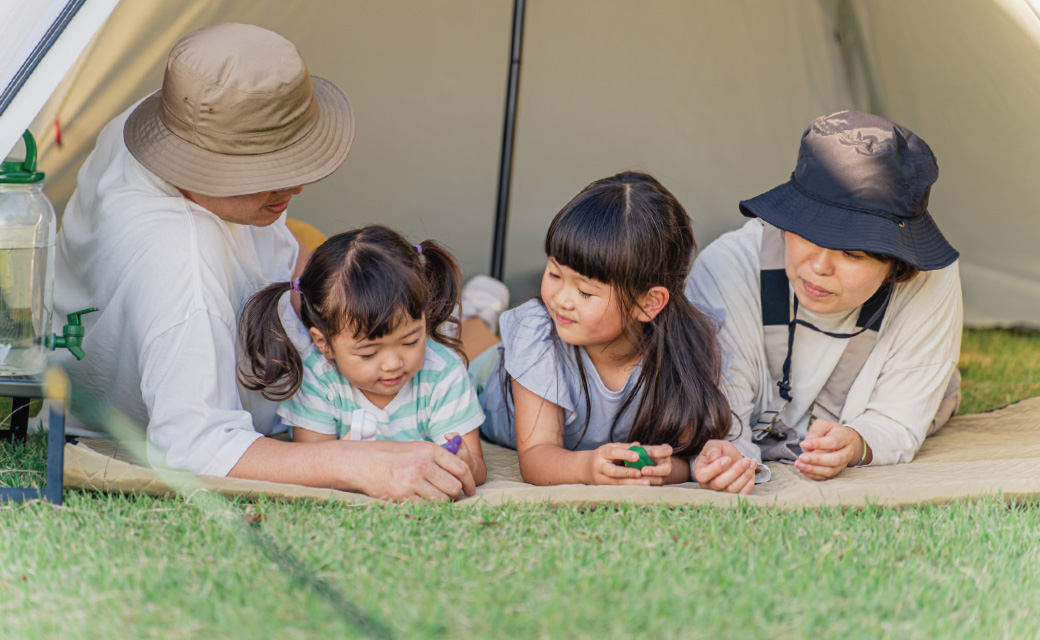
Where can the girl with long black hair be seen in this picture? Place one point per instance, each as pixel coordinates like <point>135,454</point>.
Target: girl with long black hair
<point>612,354</point>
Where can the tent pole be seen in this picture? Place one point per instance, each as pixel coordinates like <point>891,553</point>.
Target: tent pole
<point>36,56</point>
<point>505,167</point>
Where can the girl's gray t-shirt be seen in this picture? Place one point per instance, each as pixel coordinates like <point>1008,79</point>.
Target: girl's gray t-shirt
<point>548,368</point>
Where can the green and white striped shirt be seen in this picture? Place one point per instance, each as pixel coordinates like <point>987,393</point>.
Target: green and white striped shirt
<point>439,399</point>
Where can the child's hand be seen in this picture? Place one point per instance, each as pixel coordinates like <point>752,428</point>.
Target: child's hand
<point>471,454</point>
<point>721,467</point>
<point>608,465</point>
<point>662,468</point>
<point>828,448</point>
<point>463,451</point>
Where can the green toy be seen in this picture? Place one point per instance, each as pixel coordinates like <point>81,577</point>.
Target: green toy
<point>643,461</point>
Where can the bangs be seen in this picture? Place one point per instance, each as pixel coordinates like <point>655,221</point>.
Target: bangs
<point>375,301</point>
<point>587,236</point>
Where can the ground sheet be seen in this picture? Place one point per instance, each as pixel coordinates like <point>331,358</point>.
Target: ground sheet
<point>974,455</point>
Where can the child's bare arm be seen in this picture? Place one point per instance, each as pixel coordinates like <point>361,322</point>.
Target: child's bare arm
<point>545,461</point>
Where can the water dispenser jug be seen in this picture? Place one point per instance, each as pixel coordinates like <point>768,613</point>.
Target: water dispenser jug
<point>27,234</point>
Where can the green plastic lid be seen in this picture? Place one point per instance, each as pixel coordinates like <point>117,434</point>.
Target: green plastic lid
<point>23,172</point>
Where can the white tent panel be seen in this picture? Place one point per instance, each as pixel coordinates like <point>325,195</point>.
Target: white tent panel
<point>709,96</point>
<point>426,81</point>
<point>40,41</point>
<point>965,76</point>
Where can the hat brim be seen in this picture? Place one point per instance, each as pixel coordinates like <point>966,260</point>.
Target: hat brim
<point>187,166</point>
<point>916,241</point>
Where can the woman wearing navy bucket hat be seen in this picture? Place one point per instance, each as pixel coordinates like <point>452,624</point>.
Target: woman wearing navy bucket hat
<point>839,307</point>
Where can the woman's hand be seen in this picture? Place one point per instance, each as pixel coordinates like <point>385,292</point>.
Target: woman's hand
<point>721,467</point>
<point>828,448</point>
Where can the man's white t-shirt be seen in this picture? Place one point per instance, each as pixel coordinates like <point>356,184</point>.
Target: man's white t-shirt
<point>169,278</point>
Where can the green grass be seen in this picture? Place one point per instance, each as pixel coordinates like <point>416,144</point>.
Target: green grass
<point>998,368</point>
<point>24,463</point>
<point>141,567</point>
<point>118,566</point>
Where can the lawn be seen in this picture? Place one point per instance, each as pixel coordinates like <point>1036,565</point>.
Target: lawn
<point>203,567</point>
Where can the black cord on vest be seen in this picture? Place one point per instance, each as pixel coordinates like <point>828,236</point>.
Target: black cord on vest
<point>785,383</point>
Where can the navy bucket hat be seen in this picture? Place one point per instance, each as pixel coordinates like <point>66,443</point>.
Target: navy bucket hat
<point>861,184</point>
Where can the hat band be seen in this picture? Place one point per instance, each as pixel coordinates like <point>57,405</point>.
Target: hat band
<point>874,212</point>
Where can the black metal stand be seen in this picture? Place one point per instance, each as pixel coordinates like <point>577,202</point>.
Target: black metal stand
<point>21,390</point>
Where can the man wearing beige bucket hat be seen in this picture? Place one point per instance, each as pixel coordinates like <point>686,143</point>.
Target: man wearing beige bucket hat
<point>177,219</point>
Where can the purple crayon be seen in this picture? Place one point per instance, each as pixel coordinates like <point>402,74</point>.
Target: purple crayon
<point>453,445</point>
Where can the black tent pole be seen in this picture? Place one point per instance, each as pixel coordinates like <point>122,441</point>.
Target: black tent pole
<point>505,167</point>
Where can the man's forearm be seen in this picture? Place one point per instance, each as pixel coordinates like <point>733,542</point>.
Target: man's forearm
<point>387,470</point>
<point>312,464</point>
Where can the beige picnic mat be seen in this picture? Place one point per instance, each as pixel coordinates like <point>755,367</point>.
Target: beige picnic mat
<point>974,455</point>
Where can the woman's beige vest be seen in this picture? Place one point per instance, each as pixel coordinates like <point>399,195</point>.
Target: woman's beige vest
<point>777,440</point>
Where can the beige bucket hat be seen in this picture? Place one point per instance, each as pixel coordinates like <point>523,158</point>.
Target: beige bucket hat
<point>238,113</point>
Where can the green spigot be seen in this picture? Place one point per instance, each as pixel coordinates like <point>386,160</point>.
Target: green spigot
<point>71,334</point>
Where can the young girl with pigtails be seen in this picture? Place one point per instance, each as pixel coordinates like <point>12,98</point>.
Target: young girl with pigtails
<point>612,355</point>
<point>377,368</point>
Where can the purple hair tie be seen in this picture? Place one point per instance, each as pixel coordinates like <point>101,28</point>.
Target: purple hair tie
<point>294,284</point>
<point>418,247</point>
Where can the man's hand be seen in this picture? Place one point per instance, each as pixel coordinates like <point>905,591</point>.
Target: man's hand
<point>400,471</point>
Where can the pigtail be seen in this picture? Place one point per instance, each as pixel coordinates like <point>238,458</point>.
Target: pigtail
<point>275,368</point>
<point>444,284</point>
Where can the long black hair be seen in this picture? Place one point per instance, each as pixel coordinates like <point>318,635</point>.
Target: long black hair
<point>366,281</point>
<point>628,231</point>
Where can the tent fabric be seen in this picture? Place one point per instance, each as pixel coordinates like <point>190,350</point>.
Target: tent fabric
<point>996,453</point>
<point>709,96</point>
<point>39,42</point>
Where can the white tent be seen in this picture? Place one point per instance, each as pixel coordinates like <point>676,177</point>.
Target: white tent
<point>39,42</point>
<point>710,96</point>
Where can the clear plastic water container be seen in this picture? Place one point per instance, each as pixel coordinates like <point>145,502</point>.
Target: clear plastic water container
<point>27,233</point>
